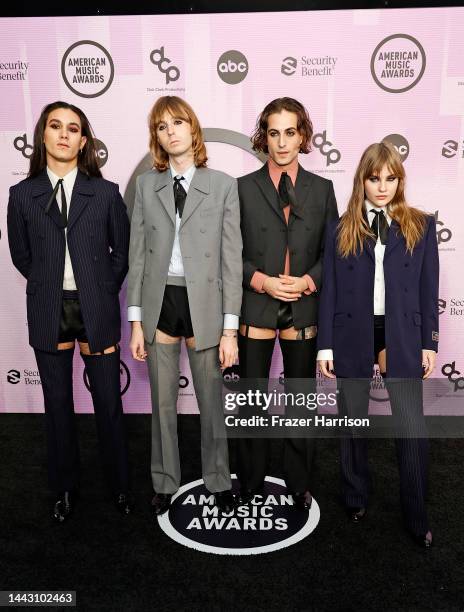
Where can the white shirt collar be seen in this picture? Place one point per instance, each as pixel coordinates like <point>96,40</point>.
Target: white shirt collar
<point>68,180</point>
<point>370,215</point>
<point>188,174</point>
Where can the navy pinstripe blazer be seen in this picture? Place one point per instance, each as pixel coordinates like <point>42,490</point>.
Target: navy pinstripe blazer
<point>98,242</point>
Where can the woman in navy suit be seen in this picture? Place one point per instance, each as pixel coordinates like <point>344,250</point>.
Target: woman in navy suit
<point>379,304</point>
<point>68,233</point>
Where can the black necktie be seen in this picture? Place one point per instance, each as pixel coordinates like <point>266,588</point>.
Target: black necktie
<point>287,194</point>
<point>379,225</point>
<point>64,204</point>
<point>179,195</point>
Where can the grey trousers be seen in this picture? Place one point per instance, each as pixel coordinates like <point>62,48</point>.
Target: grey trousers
<point>163,370</point>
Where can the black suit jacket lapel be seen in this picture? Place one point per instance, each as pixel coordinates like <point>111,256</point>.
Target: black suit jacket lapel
<point>41,191</point>
<point>81,194</point>
<point>302,193</point>
<point>269,192</point>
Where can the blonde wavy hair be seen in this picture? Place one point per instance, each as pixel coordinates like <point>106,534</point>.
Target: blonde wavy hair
<point>178,108</point>
<point>353,228</point>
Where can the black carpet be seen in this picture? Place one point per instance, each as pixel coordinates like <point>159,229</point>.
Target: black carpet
<point>117,563</point>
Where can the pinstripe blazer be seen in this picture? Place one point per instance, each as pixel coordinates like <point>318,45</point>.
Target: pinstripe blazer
<point>98,242</point>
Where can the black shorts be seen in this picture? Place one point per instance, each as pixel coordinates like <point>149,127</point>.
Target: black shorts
<point>174,318</point>
<point>71,323</point>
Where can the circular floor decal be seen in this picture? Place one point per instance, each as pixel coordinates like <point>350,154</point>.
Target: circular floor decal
<point>270,522</point>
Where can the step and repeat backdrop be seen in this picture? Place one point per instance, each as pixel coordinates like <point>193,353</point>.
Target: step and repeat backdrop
<point>365,76</point>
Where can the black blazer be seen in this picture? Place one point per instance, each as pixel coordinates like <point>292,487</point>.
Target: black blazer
<point>98,242</point>
<point>266,236</point>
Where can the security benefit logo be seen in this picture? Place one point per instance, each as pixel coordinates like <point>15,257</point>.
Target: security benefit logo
<point>452,148</point>
<point>269,522</point>
<point>87,69</point>
<point>398,63</point>
<point>309,66</point>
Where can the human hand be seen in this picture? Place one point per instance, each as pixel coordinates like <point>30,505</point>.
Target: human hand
<point>326,366</point>
<point>137,342</point>
<point>428,362</point>
<point>228,351</point>
<point>281,289</point>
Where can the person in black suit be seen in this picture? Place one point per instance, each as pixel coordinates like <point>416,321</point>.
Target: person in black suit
<point>284,213</point>
<point>379,304</point>
<point>68,232</point>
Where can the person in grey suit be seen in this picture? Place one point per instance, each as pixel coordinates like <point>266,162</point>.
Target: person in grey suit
<point>185,280</point>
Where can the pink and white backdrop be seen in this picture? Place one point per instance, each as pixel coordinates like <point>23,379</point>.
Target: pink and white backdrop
<point>363,75</point>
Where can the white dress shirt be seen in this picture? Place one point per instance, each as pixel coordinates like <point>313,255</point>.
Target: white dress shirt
<point>68,183</point>
<point>379,279</point>
<point>176,264</point>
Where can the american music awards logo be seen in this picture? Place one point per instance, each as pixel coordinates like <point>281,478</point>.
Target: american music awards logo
<point>268,523</point>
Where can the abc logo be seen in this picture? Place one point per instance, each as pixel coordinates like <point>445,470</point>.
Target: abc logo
<point>400,143</point>
<point>102,152</point>
<point>232,67</point>
<point>231,377</point>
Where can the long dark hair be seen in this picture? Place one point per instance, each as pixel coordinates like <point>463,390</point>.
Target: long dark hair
<point>87,160</point>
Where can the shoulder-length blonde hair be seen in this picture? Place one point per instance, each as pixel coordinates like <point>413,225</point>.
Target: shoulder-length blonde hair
<point>179,108</point>
<point>353,228</point>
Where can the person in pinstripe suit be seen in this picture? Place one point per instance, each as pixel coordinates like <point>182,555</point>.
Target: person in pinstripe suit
<point>379,304</point>
<point>68,233</point>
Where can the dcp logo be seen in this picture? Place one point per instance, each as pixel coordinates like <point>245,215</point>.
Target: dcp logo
<point>444,234</point>
<point>101,152</point>
<point>453,375</point>
<point>13,377</point>
<point>232,67</point>
<point>171,72</point>
<point>20,144</point>
<point>125,377</point>
<point>332,155</point>
<point>289,65</point>
<point>400,143</point>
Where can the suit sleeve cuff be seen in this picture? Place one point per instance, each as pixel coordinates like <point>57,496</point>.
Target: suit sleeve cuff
<point>257,281</point>
<point>134,313</point>
<point>230,321</point>
<point>325,355</point>
<point>311,285</point>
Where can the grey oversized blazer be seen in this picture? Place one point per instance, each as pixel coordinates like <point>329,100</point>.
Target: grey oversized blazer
<point>211,247</point>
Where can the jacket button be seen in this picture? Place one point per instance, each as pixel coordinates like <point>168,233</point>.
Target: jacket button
<point>95,258</point>
<point>153,227</point>
<point>202,230</point>
<point>210,279</point>
<point>350,267</point>
<point>405,289</point>
<point>264,229</point>
<point>349,315</point>
<point>283,230</point>
<point>208,254</point>
<point>151,250</point>
<point>260,252</point>
<point>406,265</point>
